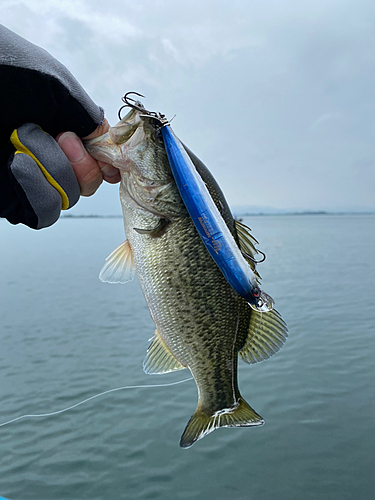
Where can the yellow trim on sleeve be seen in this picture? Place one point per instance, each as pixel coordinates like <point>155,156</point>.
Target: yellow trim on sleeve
<point>21,148</point>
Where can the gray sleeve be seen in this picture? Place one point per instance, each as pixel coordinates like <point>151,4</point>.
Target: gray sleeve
<point>44,174</point>
<point>17,52</point>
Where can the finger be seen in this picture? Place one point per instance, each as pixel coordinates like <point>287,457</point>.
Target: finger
<point>86,169</point>
<point>110,174</point>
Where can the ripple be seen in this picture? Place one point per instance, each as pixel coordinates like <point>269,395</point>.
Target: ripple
<point>316,394</point>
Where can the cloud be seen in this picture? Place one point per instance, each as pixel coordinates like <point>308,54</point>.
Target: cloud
<point>171,50</point>
<point>93,15</point>
<point>324,118</point>
<point>279,94</point>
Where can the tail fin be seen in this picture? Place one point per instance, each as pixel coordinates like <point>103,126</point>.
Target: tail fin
<point>201,424</point>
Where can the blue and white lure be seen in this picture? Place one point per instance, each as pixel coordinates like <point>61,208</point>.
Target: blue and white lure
<point>211,226</point>
<point>206,217</point>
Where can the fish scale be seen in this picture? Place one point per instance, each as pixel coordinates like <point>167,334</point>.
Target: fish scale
<point>207,329</point>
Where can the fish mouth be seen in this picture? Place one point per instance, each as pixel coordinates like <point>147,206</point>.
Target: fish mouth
<point>102,148</point>
<point>125,128</point>
<point>107,147</point>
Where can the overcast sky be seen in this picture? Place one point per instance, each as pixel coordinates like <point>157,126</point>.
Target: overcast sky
<point>277,97</point>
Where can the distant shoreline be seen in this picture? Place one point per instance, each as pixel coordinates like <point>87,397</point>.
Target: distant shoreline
<point>236,215</point>
<point>68,216</point>
<point>318,212</point>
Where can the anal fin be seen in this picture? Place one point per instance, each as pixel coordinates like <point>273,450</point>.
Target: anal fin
<point>159,358</point>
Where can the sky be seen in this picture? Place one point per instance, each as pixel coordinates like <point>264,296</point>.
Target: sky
<point>276,97</point>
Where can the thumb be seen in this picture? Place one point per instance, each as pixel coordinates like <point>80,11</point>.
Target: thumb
<point>86,169</point>
<point>73,147</point>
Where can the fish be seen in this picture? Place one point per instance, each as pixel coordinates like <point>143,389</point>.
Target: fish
<point>202,324</point>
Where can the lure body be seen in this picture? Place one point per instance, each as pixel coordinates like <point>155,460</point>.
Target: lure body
<point>211,226</point>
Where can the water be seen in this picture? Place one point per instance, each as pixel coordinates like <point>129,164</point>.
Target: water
<point>65,336</point>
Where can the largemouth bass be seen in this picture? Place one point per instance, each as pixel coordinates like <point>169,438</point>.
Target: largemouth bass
<point>201,323</point>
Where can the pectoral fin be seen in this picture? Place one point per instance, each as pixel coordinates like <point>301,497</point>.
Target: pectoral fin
<point>267,334</point>
<point>159,358</point>
<point>119,265</point>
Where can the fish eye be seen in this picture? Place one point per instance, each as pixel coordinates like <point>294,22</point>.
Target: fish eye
<point>256,292</point>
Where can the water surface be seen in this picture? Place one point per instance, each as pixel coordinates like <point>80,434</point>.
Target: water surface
<point>65,336</point>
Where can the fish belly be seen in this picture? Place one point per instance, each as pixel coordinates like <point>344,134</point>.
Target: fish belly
<point>193,307</point>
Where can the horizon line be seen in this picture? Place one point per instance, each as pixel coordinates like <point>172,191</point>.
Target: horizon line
<point>237,214</point>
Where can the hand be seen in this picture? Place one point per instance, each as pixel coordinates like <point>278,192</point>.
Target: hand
<point>40,99</point>
<point>89,172</point>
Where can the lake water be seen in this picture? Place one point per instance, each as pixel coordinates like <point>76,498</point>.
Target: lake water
<point>65,336</point>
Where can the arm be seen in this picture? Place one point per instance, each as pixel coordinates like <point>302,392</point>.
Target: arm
<point>39,99</point>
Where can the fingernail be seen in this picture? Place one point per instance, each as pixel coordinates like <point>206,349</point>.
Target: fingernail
<point>72,147</point>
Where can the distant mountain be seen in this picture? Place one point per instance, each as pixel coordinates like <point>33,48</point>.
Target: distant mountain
<point>257,210</point>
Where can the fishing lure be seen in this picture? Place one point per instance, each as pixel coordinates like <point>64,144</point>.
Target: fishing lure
<point>211,226</point>
<point>206,217</point>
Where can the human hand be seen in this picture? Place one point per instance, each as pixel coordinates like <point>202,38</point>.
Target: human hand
<point>89,172</point>
<point>40,100</point>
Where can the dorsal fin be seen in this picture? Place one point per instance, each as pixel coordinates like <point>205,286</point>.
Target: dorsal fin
<point>159,358</point>
<point>267,334</point>
<point>247,244</point>
<point>119,265</point>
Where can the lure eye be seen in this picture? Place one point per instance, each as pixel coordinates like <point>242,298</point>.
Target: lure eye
<point>256,292</point>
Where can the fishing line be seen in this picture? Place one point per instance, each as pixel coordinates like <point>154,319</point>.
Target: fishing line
<point>93,397</point>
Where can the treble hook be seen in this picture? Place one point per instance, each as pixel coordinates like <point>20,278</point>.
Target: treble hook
<point>126,99</point>
<point>130,103</point>
<point>247,256</point>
